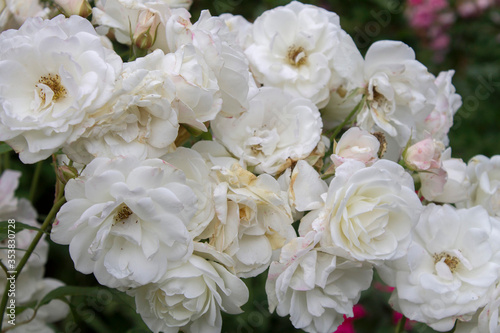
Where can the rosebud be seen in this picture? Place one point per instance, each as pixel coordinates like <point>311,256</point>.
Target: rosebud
<point>145,30</point>
<point>75,7</point>
<point>424,155</point>
<point>66,172</point>
<point>356,144</point>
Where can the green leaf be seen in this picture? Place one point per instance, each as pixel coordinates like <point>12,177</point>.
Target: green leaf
<point>13,228</point>
<point>65,291</point>
<point>4,148</point>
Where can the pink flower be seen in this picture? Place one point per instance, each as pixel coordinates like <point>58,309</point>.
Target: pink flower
<point>441,42</point>
<point>424,155</point>
<point>348,324</point>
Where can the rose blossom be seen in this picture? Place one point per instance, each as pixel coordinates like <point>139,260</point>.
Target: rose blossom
<point>425,158</point>
<point>125,220</point>
<point>303,50</point>
<point>440,120</point>
<point>487,320</point>
<point>139,120</point>
<point>457,183</point>
<point>197,95</point>
<point>400,91</point>
<point>424,155</point>
<point>277,130</point>
<point>368,211</point>
<point>198,179</point>
<point>484,177</point>
<point>75,7</point>
<point>191,296</point>
<point>250,212</point>
<point>13,13</point>
<point>128,20</point>
<point>55,75</point>
<point>212,39</point>
<point>451,268</point>
<point>356,144</point>
<point>315,285</point>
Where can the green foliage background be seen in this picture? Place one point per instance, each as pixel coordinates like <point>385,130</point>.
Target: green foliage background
<point>475,56</point>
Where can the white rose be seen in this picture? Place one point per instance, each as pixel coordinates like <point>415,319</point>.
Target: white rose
<point>215,155</point>
<point>457,183</point>
<point>401,92</point>
<point>46,104</point>
<point>439,122</point>
<point>368,211</point>
<point>425,158</point>
<point>75,7</point>
<point>356,144</point>
<point>197,97</point>
<point>239,26</point>
<point>484,176</point>
<point>488,320</point>
<point>302,50</point>
<point>198,178</point>
<point>139,120</point>
<point>211,37</point>
<point>133,21</point>
<point>251,213</point>
<point>306,188</point>
<point>315,286</point>
<point>190,297</point>
<point>125,220</point>
<point>277,130</point>
<point>451,268</point>
<point>13,13</point>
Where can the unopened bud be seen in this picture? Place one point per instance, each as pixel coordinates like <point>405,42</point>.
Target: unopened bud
<point>145,30</point>
<point>66,172</point>
<point>75,7</point>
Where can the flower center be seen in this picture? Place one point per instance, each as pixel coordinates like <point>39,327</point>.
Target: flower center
<point>123,213</point>
<point>54,83</point>
<point>245,213</point>
<point>296,56</point>
<point>450,261</point>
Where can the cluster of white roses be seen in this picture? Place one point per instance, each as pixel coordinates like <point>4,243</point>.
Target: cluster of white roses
<point>177,228</point>
<point>31,286</point>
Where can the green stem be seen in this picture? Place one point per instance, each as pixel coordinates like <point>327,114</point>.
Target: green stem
<point>347,119</point>
<point>48,221</point>
<point>6,162</point>
<point>5,269</point>
<point>34,181</point>
<point>401,325</point>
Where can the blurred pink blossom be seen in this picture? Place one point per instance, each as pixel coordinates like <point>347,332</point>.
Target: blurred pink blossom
<point>348,324</point>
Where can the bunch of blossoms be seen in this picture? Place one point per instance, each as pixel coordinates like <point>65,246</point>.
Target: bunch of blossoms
<point>472,8</point>
<point>221,149</point>
<point>432,20</point>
